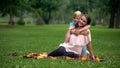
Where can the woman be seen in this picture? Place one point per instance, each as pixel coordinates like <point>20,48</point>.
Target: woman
<point>87,35</point>
<point>74,47</point>
<point>73,25</point>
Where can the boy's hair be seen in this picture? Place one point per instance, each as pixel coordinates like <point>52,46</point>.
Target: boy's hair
<point>76,13</point>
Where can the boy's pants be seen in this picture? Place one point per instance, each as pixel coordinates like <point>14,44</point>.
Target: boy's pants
<point>84,49</point>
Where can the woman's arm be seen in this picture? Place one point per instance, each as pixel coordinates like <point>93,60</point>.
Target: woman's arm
<point>67,36</point>
<point>89,46</point>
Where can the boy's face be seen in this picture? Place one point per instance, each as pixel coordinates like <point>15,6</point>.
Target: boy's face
<point>76,19</point>
<point>82,21</point>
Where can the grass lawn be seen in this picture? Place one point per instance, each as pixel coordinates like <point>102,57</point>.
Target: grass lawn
<point>45,38</point>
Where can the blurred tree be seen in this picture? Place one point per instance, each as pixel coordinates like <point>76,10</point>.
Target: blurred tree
<point>118,16</point>
<point>61,15</point>
<point>80,5</point>
<point>45,8</point>
<point>113,9</point>
<point>12,8</point>
<point>106,8</point>
<point>85,6</point>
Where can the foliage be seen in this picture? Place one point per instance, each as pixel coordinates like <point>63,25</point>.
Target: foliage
<point>5,6</point>
<point>111,7</point>
<point>12,8</point>
<point>45,8</point>
<point>61,11</point>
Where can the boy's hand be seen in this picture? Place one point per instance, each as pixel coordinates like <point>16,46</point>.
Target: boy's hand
<point>84,33</point>
<point>75,31</point>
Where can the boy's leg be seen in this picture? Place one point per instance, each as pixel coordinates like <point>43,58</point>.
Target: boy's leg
<point>58,52</point>
<point>84,49</point>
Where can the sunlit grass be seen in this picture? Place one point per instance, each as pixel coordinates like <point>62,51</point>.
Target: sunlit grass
<point>45,38</point>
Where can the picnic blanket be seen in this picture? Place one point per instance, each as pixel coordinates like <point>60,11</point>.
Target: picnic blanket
<point>42,55</point>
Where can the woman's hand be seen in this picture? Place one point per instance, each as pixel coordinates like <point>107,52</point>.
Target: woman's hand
<point>89,47</point>
<point>93,57</point>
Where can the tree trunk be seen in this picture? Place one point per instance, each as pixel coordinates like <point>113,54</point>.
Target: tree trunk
<point>47,19</point>
<point>112,16</point>
<point>10,21</point>
<point>89,6</point>
<point>117,25</point>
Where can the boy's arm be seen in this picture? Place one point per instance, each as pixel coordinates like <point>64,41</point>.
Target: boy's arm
<point>82,31</point>
<point>76,32</point>
<point>84,28</point>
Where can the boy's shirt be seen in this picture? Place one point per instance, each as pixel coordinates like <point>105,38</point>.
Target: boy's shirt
<point>72,25</point>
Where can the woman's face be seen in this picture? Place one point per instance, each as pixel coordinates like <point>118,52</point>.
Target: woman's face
<point>82,21</point>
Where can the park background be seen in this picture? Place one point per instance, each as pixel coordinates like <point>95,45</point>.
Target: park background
<point>40,25</point>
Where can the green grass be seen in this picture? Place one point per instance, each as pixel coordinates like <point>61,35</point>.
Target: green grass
<point>45,38</point>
